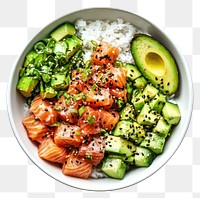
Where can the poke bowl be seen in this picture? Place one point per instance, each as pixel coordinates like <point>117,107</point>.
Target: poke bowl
<point>135,91</point>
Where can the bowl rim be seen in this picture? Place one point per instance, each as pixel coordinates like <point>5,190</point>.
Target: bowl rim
<point>16,134</point>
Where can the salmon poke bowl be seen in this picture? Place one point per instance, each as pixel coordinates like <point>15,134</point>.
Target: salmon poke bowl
<point>100,99</point>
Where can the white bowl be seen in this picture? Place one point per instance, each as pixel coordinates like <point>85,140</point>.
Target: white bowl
<point>184,98</point>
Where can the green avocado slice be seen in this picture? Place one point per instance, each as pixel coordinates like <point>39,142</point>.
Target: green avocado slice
<point>156,63</point>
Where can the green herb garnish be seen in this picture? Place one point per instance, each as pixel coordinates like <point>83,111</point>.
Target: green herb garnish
<point>90,120</point>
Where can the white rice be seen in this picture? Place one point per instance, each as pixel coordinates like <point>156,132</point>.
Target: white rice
<point>117,33</point>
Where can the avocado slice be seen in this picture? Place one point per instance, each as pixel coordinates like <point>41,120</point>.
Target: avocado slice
<point>123,129</point>
<point>60,47</point>
<point>147,116</point>
<point>156,63</point>
<point>30,57</point>
<point>63,31</point>
<point>143,157</point>
<point>129,89</point>
<point>26,85</point>
<point>158,102</point>
<point>122,157</point>
<point>140,83</point>
<point>48,92</point>
<point>59,81</point>
<point>114,168</point>
<point>137,100</point>
<point>171,113</point>
<point>73,44</point>
<point>132,72</point>
<point>154,142</point>
<point>119,145</point>
<point>138,133</point>
<point>149,92</point>
<point>127,113</point>
<point>162,128</point>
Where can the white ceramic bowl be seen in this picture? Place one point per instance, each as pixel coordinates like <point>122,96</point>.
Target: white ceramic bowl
<point>184,98</point>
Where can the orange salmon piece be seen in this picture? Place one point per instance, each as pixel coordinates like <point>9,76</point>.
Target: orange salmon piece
<point>105,54</point>
<point>36,129</point>
<point>98,97</point>
<point>49,151</point>
<point>67,135</point>
<point>94,151</point>
<point>44,110</point>
<point>77,166</point>
<point>108,119</point>
<point>89,121</point>
<point>68,112</point>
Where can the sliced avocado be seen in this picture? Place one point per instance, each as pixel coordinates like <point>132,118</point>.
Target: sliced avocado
<point>149,92</point>
<point>129,89</point>
<point>154,142</point>
<point>140,83</point>
<point>48,92</point>
<point>143,157</point>
<point>63,31</point>
<point>119,145</point>
<point>127,113</point>
<point>122,157</point>
<point>158,102</point>
<point>60,47</point>
<point>58,81</point>
<point>114,168</point>
<point>132,72</point>
<point>171,113</point>
<point>26,85</point>
<point>147,116</point>
<point>30,57</point>
<point>137,100</point>
<point>138,133</point>
<point>74,44</point>
<point>156,63</point>
<point>162,127</point>
<point>123,129</point>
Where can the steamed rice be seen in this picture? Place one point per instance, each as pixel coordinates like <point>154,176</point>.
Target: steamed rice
<point>117,33</point>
